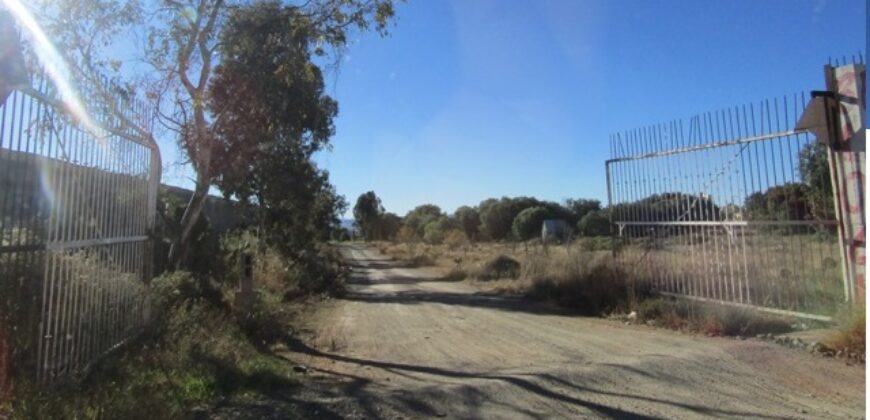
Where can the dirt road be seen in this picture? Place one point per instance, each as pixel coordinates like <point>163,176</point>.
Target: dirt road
<point>403,344</point>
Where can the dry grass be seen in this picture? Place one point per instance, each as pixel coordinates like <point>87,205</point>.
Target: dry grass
<point>569,275</point>
<point>850,339</point>
<point>584,276</point>
<point>708,319</point>
<point>798,272</point>
<point>195,355</point>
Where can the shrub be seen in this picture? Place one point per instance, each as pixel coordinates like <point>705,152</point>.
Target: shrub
<point>468,219</point>
<point>436,230</point>
<point>594,223</point>
<point>181,288</point>
<point>850,336</point>
<point>455,274</point>
<point>316,270</point>
<point>710,319</point>
<point>267,322</point>
<point>407,234</point>
<point>595,243</point>
<point>421,260</point>
<point>592,287</point>
<point>500,267</point>
<point>195,354</point>
<point>455,238</point>
<point>527,224</point>
<point>433,234</point>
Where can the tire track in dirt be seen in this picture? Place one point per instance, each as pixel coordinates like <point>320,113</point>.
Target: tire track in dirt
<point>404,344</point>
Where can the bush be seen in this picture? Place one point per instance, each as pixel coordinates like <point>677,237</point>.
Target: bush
<point>433,234</point>
<point>436,230</point>
<point>267,322</point>
<point>594,223</point>
<point>407,234</point>
<point>312,271</point>
<point>592,287</point>
<point>181,288</point>
<point>527,224</point>
<point>421,260</point>
<point>595,243</point>
<point>455,274</point>
<point>710,319</point>
<point>455,238</point>
<point>500,267</point>
<point>850,336</point>
<point>195,354</point>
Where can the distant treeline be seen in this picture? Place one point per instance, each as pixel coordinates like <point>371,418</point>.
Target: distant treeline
<point>494,219</point>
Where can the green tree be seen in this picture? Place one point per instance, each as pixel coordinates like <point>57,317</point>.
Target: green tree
<point>275,116</point>
<point>388,226</point>
<point>422,215</point>
<point>468,220</point>
<point>782,202</point>
<point>528,223</point>
<point>367,212</point>
<point>578,208</point>
<point>816,175</point>
<point>594,223</point>
<point>183,50</point>
<point>436,230</point>
<point>497,215</point>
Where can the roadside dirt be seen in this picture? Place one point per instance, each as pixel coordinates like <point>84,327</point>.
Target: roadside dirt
<point>403,344</point>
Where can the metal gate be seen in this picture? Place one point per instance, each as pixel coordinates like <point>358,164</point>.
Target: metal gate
<point>77,202</point>
<point>733,206</point>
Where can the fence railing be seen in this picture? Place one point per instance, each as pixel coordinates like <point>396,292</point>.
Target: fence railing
<point>733,206</point>
<point>77,204</point>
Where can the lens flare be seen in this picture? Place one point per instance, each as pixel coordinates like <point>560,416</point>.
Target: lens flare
<point>54,65</point>
<point>58,73</point>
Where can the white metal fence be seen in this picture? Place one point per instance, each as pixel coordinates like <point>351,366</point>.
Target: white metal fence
<point>77,204</point>
<point>734,206</point>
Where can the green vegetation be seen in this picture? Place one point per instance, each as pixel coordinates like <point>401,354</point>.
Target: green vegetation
<point>592,286</point>
<point>500,267</point>
<point>236,86</point>
<point>422,216</point>
<point>198,351</point>
<point>368,211</point>
<point>527,224</point>
<point>594,223</point>
<point>851,335</point>
<point>468,219</point>
<point>709,319</point>
<point>504,219</point>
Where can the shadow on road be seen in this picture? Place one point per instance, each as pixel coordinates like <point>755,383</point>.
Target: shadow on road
<point>537,384</point>
<point>476,300</point>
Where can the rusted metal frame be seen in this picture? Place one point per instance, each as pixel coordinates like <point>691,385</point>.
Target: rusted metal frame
<point>834,136</point>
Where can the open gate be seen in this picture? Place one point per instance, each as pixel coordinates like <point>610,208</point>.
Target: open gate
<point>743,206</point>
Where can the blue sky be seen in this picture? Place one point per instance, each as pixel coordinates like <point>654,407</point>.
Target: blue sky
<point>467,100</point>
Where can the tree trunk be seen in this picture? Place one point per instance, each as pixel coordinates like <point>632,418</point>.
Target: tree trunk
<point>179,248</point>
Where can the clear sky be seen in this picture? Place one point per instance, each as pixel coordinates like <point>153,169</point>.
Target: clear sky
<point>470,99</point>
